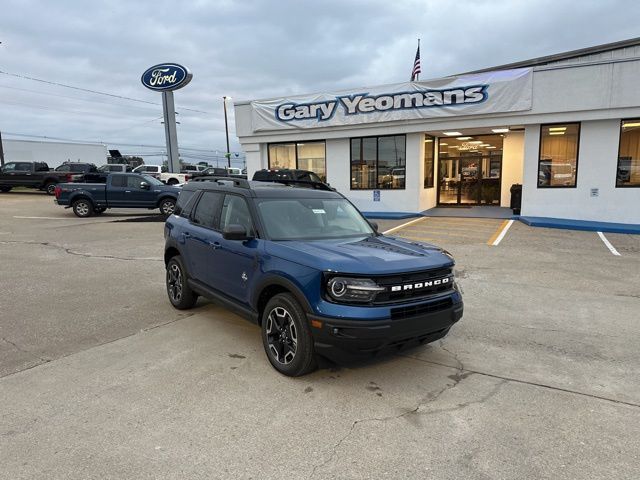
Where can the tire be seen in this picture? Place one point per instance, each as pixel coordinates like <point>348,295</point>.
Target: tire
<point>50,188</point>
<point>5,189</point>
<point>167,206</point>
<point>286,336</point>
<point>82,207</point>
<point>180,294</point>
<point>99,210</point>
<point>172,181</point>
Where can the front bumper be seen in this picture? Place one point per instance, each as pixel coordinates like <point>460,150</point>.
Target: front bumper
<point>344,340</point>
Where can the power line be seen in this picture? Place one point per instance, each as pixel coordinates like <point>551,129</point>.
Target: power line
<point>95,92</point>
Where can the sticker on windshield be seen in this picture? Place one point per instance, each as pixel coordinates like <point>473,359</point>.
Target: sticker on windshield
<point>319,211</point>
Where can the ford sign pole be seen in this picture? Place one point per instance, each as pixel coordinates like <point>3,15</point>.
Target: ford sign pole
<point>166,78</point>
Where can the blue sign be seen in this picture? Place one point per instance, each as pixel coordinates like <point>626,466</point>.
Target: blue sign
<point>376,195</point>
<point>165,77</point>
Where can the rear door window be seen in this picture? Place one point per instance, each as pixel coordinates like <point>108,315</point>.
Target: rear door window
<point>185,203</point>
<point>207,212</point>
<point>119,181</point>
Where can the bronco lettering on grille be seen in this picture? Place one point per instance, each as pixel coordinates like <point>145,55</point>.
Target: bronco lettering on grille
<point>421,285</point>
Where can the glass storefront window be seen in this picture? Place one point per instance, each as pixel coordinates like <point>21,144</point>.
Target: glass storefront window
<point>558,161</point>
<point>378,162</point>
<point>628,171</point>
<point>302,155</point>
<point>429,154</point>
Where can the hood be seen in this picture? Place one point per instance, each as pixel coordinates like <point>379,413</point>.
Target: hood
<point>364,255</point>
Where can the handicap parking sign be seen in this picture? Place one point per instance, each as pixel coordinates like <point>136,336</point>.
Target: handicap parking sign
<point>376,195</point>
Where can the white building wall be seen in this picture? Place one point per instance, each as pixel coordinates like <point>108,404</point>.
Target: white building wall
<point>597,163</point>
<point>512,164</point>
<point>54,153</point>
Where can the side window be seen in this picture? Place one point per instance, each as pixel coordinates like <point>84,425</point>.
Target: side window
<point>23,167</point>
<point>185,203</point>
<point>63,168</point>
<point>236,212</point>
<point>207,212</point>
<point>119,181</point>
<point>133,181</point>
<point>9,167</point>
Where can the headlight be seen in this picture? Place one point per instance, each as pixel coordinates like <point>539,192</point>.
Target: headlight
<point>346,289</point>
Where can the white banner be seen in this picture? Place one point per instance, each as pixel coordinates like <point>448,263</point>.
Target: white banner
<point>490,92</point>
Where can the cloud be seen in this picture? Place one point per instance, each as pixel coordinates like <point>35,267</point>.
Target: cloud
<point>257,49</point>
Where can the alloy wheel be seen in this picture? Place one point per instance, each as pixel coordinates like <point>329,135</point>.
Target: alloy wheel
<point>174,282</point>
<point>168,208</point>
<point>282,335</point>
<point>83,209</point>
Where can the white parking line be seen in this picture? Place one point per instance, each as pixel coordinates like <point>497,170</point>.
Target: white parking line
<point>608,244</point>
<point>42,218</point>
<point>503,232</point>
<point>403,225</point>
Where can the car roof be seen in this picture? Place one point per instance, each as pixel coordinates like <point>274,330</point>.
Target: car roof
<point>260,189</point>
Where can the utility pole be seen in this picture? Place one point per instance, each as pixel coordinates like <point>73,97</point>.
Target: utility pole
<point>226,129</point>
<point>1,152</point>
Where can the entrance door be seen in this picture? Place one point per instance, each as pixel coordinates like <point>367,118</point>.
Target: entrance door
<point>470,180</point>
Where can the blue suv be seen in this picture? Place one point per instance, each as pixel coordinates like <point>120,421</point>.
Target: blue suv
<point>306,266</point>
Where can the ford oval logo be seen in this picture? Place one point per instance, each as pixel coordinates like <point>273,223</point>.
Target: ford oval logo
<point>166,76</point>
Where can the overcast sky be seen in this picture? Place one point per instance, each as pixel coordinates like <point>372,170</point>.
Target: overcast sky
<point>256,49</point>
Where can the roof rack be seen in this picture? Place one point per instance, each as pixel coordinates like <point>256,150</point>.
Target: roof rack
<point>286,181</point>
<point>237,182</point>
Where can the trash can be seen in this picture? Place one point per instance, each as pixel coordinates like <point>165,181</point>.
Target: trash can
<point>516,198</point>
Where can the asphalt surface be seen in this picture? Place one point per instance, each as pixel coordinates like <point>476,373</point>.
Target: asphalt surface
<point>101,378</point>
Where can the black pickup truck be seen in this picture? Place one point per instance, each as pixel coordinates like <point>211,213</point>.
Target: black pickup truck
<point>31,175</point>
<point>121,190</point>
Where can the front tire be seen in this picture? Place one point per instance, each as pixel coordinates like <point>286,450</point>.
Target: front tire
<point>83,208</point>
<point>286,336</point>
<point>167,206</point>
<point>180,294</point>
<point>5,189</point>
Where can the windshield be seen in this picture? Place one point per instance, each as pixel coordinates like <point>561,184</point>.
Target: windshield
<point>312,219</point>
<point>152,181</point>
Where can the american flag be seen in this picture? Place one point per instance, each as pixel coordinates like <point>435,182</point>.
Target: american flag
<point>416,65</point>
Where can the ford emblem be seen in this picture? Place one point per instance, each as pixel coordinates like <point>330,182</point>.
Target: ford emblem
<point>166,76</point>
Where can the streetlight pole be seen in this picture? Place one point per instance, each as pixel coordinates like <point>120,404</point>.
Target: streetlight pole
<point>226,129</point>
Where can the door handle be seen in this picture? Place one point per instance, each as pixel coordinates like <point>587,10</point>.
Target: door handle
<point>214,245</point>
<point>186,234</point>
<point>127,191</point>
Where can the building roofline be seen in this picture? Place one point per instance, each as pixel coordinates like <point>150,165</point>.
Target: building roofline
<point>581,52</point>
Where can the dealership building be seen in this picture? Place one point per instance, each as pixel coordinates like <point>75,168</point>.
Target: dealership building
<point>566,127</point>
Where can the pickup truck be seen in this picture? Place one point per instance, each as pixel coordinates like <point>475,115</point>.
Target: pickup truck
<point>121,190</point>
<point>31,175</point>
<point>161,174</point>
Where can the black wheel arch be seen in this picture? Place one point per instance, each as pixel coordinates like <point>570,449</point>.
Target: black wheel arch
<point>162,198</point>
<point>272,285</point>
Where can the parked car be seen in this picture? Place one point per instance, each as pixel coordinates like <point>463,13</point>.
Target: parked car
<point>288,176</point>
<point>221,172</point>
<point>121,190</point>
<point>308,268</point>
<point>115,168</point>
<point>186,168</point>
<point>31,175</point>
<point>161,174</point>
<point>81,172</point>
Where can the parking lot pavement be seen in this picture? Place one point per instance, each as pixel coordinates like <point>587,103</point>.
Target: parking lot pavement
<point>101,378</point>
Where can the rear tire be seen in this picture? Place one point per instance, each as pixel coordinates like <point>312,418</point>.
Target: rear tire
<point>50,188</point>
<point>82,207</point>
<point>286,336</point>
<point>172,181</point>
<point>167,206</point>
<point>180,294</point>
<point>5,189</point>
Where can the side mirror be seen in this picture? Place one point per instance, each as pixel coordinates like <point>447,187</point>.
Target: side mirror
<point>374,225</point>
<point>235,232</point>
<point>144,185</point>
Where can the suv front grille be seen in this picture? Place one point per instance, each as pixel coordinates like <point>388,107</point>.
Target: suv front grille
<point>422,309</point>
<point>407,287</point>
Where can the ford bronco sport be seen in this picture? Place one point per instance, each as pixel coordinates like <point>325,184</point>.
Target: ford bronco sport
<point>306,266</point>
